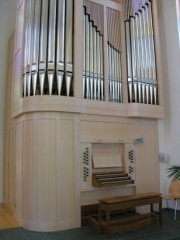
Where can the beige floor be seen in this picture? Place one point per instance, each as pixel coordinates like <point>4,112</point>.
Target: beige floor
<point>6,218</point>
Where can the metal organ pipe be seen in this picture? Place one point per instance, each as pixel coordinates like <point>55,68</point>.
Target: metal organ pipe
<point>114,52</point>
<point>69,45</point>
<point>29,43</point>
<point>128,50</point>
<point>35,46</point>
<point>43,45</point>
<point>141,57</point>
<point>93,76</point>
<point>91,56</point>
<point>51,44</point>
<point>60,45</point>
<point>48,47</point>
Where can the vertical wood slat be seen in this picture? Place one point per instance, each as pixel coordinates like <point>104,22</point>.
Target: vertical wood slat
<point>46,170</point>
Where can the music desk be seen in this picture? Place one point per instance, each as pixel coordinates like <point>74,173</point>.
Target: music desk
<point>108,206</point>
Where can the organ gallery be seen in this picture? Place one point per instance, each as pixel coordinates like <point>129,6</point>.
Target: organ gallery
<point>84,95</point>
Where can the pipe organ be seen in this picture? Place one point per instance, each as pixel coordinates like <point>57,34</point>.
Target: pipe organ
<point>86,85</point>
<point>48,48</point>
<point>141,62</point>
<point>48,52</point>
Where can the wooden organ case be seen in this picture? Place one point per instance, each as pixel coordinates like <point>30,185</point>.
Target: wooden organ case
<point>76,110</point>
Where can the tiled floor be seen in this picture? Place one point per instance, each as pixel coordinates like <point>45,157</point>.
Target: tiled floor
<point>170,230</point>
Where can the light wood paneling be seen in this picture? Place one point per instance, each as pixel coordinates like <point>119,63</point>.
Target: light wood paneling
<point>6,168</point>
<point>147,165</point>
<point>46,170</point>
<point>8,94</point>
<point>17,77</point>
<point>11,49</point>
<point>19,166</point>
<point>67,170</point>
<point>101,131</point>
<point>29,171</point>
<point>11,181</point>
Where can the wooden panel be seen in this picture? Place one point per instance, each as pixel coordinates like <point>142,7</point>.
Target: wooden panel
<point>101,131</point>
<point>17,77</point>
<point>11,168</point>
<point>46,170</point>
<point>29,171</point>
<point>6,167</point>
<point>147,164</point>
<point>11,48</point>
<point>67,170</point>
<point>19,28</point>
<point>8,93</point>
<point>19,180</point>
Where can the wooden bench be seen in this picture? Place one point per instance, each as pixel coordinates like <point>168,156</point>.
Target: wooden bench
<point>108,206</point>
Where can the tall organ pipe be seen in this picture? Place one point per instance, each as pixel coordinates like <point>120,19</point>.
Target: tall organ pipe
<point>51,44</point>
<point>69,45</point>
<point>60,59</point>
<point>26,70</point>
<point>128,50</point>
<point>43,45</point>
<point>87,57</point>
<point>154,78</point>
<point>30,19</point>
<point>35,45</point>
<point>84,62</point>
<point>95,62</point>
<point>138,57</point>
<point>91,60</point>
<point>101,68</point>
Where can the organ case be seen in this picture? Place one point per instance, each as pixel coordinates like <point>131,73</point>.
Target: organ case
<point>107,165</point>
<point>65,104</point>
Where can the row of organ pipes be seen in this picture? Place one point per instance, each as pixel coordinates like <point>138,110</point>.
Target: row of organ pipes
<point>48,52</point>
<point>114,55</point>
<point>142,81</point>
<point>93,74</point>
<point>48,47</point>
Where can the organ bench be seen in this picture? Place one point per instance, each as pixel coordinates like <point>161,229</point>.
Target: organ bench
<point>109,206</point>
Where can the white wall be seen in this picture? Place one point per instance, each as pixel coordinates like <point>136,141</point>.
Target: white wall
<point>169,128</point>
<point>7,24</point>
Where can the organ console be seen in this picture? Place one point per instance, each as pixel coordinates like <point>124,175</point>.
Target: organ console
<point>109,167</point>
<point>86,83</point>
